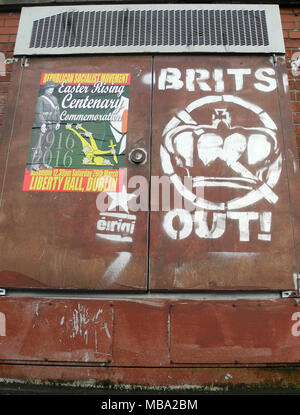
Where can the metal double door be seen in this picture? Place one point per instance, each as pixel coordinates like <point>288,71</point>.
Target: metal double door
<point>164,173</point>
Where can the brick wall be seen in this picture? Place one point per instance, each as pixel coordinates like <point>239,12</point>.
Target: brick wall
<point>8,30</point>
<point>290,18</point>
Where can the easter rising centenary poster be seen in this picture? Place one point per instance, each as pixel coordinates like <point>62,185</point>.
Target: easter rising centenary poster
<point>78,139</point>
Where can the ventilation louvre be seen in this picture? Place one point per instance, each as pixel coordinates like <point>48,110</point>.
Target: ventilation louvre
<point>138,29</point>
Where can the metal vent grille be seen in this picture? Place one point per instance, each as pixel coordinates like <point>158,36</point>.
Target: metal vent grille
<point>151,28</point>
<point>172,28</point>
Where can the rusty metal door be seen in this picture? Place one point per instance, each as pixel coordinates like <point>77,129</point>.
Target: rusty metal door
<point>220,142</point>
<point>221,212</point>
<point>55,230</point>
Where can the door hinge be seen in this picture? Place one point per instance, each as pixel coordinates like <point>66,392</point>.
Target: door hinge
<point>2,292</point>
<point>293,293</point>
<point>24,62</point>
<point>290,294</point>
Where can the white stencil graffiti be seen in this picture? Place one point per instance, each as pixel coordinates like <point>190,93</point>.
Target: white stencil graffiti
<point>120,199</point>
<point>217,228</point>
<point>117,266</point>
<point>179,224</point>
<point>265,224</point>
<point>205,80</point>
<point>118,227</point>
<point>2,324</point>
<point>188,145</point>
<point>87,326</point>
<point>249,156</point>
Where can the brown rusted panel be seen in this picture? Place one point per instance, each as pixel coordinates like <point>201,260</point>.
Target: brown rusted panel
<point>208,379</point>
<point>140,333</point>
<point>217,121</point>
<point>128,332</point>
<point>49,237</point>
<point>149,333</point>
<point>56,330</point>
<point>235,332</point>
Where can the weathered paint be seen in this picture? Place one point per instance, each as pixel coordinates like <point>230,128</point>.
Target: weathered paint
<point>150,342</point>
<point>57,238</point>
<point>242,203</point>
<point>214,380</point>
<point>237,332</point>
<point>222,128</point>
<point>142,338</point>
<point>150,333</point>
<point>57,330</point>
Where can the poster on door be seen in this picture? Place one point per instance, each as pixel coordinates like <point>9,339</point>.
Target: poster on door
<point>78,139</point>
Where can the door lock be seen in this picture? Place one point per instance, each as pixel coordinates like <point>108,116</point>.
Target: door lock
<point>138,156</point>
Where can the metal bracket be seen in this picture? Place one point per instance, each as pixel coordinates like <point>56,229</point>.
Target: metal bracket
<point>9,61</point>
<point>290,294</point>
<point>25,62</point>
<point>2,292</point>
<point>293,293</point>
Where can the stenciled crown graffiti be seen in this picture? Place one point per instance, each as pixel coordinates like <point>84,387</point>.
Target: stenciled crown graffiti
<point>246,160</point>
